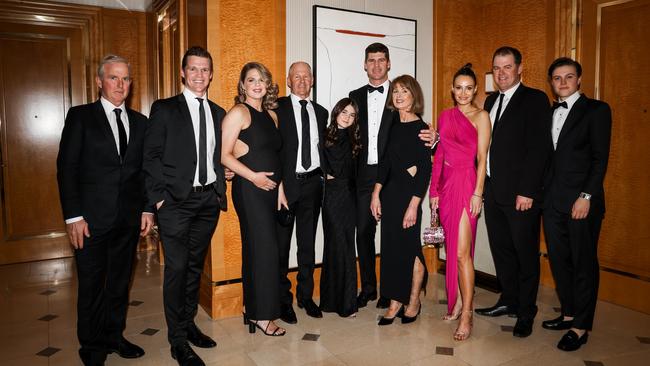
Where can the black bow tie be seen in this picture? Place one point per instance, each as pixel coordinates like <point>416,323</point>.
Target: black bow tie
<point>377,88</point>
<point>557,105</point>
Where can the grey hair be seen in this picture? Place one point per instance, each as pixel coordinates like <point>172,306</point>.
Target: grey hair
<point>111,59</point>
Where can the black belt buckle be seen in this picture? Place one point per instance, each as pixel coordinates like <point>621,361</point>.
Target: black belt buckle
<point>303,176</point>
<point>204,188</point>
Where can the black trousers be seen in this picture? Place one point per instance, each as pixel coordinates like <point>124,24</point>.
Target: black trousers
<point>186,229</point>
<point>366,229</point>
<point>573,254</point>
<point>306,209</point>
<point>514,243</point>
<point>104,268</point>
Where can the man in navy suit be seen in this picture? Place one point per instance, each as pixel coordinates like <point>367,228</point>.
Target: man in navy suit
<point>101,187</point>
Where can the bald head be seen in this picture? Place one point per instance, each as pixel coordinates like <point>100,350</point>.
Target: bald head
<point>300,79</point>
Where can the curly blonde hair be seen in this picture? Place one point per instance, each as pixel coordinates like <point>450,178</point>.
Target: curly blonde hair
<point>271,97</point>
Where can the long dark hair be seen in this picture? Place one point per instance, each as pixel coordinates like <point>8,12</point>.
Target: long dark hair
<point>353,130</point>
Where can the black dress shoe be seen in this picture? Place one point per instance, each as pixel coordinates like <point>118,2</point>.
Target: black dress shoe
<point>198,339</point>
<point>496,310</point>
<point>362,299</point>
<point>288,315</point>
<point>383,303</point>
<point>557,324</point>
<point>523,328</point>
<point>310,308</point>
<point>185,355</point>
<point>92,357</point>
<point>571,342</point>
<point>388,321</point>
<point>125,349</point>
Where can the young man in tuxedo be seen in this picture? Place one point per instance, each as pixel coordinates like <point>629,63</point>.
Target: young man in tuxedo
<point>513,188</point>
<point>375,121</point>
<point>186,183</point>
<point>101,187</point>
<point>574,205</point>
<point>302,124</point>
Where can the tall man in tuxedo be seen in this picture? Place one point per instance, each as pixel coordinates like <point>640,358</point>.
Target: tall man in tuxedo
<point>185,180</point>
<point>101,187</point>
<point>302,124</point>
<point>513,188</point>
<point>574,205</point>
<point>375,121</point>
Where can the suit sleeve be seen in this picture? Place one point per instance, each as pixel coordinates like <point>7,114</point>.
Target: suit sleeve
<point>600,132</point>
<point>68,164</point>
<point>536,146</point>
<point>154,142</point>
<point>436,169</point>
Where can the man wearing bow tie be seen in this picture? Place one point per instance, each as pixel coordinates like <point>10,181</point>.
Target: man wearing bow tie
<point>574,205</point>
<point>375,121</point>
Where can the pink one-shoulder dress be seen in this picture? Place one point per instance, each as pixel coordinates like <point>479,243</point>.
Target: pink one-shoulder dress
<point>453,179</point>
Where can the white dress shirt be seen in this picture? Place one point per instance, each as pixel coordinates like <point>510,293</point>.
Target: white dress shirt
<point>559,116</point>
<point>313,134</point>
<point>193,106</point>
<point>376,105</point>
<point>493,112</point>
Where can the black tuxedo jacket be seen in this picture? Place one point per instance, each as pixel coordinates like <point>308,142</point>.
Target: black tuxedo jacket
<point>360,96</point>
<point>519,148</point>
<point>93,183</point>
<point>170,151</point>
<point>289,151</point>
<point>579,161</point>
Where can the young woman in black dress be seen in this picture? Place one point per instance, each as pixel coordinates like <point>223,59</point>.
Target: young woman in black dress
<point>402,180</point>
<point>338,281</point>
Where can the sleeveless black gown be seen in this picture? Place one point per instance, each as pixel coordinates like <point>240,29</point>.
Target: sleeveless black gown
<point>256,209</point>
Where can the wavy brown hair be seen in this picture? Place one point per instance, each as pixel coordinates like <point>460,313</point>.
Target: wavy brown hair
<point>271,96</point>
<point>412,85</point>
<point>353,130</point>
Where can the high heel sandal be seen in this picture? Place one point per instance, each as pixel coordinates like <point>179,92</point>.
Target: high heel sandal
<point>410,319</point>
<point>388,321</point>
<point>452,316</point>
<point>461,336</point>
<point>278,332</point>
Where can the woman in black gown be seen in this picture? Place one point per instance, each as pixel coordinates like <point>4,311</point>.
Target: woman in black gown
<point>338,280</point>
<point>250,148</point>
<point>402,180</point>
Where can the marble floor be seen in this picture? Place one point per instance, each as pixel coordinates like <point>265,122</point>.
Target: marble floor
<point>37,327</point>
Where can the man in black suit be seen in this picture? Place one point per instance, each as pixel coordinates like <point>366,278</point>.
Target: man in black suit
<point>101,187</point>
<point>302,124</point>
<point>574,205</point>
<point>375,121</point>
<point>513,190</point>
<point>185,180</point>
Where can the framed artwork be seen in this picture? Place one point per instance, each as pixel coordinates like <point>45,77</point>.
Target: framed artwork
<point>340,39</point>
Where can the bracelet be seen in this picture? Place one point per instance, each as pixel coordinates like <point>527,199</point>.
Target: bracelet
<point>476,195</point>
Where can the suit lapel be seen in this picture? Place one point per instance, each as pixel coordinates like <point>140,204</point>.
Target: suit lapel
<point>133,132</point>
<point>575,115</point>
<point>516,96</point>
<point>105,126</point>
<point>184,111</point>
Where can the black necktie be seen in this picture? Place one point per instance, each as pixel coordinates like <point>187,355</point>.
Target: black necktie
<point>379,88</point>
<point>496,118</point>
<point>203,167</point>
<point>305,151</point>
<point>121,133</point>
<point>557,105</point>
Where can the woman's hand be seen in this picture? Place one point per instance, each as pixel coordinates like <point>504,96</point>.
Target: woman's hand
<point>261,180</point>
<point>410,216</point>
<point>282,198</point>
<point>433,202</point>
<point>375,206</point>
<point>475,205</point>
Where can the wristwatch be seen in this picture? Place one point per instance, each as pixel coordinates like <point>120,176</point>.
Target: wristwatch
<point>586,196</point>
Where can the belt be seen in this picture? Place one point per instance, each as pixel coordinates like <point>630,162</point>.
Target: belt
<point>204,188</point>
<point>315,172</point>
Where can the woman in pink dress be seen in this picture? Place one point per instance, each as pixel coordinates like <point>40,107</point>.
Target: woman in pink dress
<point>457,177</point>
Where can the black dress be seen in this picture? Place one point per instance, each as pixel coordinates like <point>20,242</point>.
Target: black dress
<point>400,247</point>
<point>338,281</point>
<point>256,209</point>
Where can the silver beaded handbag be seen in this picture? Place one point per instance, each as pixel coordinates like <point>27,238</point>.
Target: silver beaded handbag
<point>434,236</point>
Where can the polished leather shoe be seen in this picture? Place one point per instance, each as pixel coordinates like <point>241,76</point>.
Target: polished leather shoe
<point>571,341</point>
<point>310,308</point>
<point>125,349</point>
<point>198,339</point>
<point>557,324</point>
<point>185,355</point>
<point>362,299</point>
<point>288,315</point>
<point>523,328</point>
<point>383,303</point>
<point>496,310</point>
<point>92,358</point>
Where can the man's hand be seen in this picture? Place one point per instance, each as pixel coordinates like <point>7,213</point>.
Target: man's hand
<point>427,136</point>
<point>146,223</point>
<point>523,203</point>
<point>580,209</point>
<point>76,232</point>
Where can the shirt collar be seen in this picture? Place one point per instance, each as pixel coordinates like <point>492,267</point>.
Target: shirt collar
<point>109,107</point>
<point>191,96</point>
<point>296,99</point>
<point>508,93</point>
<point>385,84</point>
<point>571,99</point>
